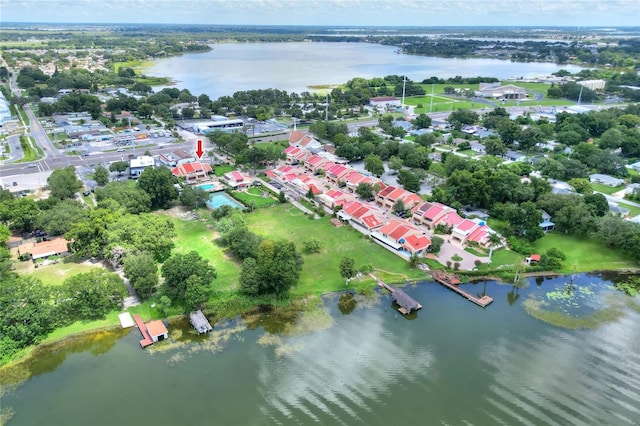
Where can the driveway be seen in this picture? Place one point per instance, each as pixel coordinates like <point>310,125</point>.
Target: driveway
<point>467,263</point>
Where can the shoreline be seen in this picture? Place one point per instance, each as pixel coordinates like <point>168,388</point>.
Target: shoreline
<point>299,302</point>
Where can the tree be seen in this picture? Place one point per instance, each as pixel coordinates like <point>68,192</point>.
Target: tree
<point>92,295</point>
<point>59,220</point>
<point>461,117</point>
<point>179,268</point>
<point>399,206</point>
<point>126,194</point>
<point>118,166</point>
<point>142,233</point>
<point>142,271</point>
<point>193,197</point>
<point>281,197</point>
<point>158,183</point>
<point>26,312</point>
<point>101,176</point>
<point>409,180</point>
<point>422,121</point>
<point>581,185</point>
<point>196,293</point>
<point>312,245</point>
<point>365,191</point>
<point>597,204</point>
<point>373,164</point>
<point>395,164</point>
<point>275,270</point>
<point>347,268</point>
<point>64,183</point>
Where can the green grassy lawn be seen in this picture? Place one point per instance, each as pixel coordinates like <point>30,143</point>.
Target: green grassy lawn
<point>194,235</point>
<point>504,257</point>
<point>222,169</point>
<point>277,146</point>
<point>598,187</point>
<point>55,274</point>
<point>255,195</point>
<point>468,152</point>
<point>633,210</point>
<point>321,272</point>
<point>584,254</point>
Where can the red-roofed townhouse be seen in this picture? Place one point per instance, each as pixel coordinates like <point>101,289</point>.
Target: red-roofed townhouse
<point>461,231</point>
<point>451,219</point>
<point>381,197</point>
<point>313,162</point>
<point>394,196</point>
<point>290,153</point>
<point>432,215</point>
<point>333,198</point>
<point>337,173</point>
<point>481,235</point>
<point>394,234</point>
<point>416,245</point>
<point>192,171</point>
<point>412,200</point>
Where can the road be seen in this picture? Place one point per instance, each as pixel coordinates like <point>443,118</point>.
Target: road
<point>40,136</point>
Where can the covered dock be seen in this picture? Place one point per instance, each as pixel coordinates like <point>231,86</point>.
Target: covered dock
<point>199,322</point>
<point>407,303</point>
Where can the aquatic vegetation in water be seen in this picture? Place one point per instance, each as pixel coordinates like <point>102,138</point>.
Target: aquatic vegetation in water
<point>6,413</point>
<point>614,308</point>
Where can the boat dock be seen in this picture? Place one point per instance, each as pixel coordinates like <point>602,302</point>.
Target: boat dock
<point>199,322</point>
<point>407,303</point>
<point>143,330</point>
<point>452,282</point>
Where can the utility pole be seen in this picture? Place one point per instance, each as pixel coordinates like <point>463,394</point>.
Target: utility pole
<point>404,85</point>
<point>580,95</point>
<point>431,103</point>
<point>326,107</point>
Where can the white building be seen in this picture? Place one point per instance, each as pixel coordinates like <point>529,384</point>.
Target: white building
<point>219,123</point>
<point>592,84</point>
<point>385,102</point>
<point>138,164</point>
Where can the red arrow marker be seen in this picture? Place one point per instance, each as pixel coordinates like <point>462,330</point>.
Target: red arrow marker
<point>199,151</point>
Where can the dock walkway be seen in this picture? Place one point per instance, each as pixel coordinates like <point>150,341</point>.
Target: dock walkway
<point>406,302</point>
<point>143,330</point>
<point>452,282</point>
<point>199,322</point>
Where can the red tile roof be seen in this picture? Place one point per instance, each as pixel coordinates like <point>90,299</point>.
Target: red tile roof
<point>399,232</point>
<point>315,189</point>
<point>371,221</point>
<point>434,211</point>
<point>417,242</point>
<point>389,227</point>
<point>291,149</point>
<point>479,234</point>
<point>296,136</point>
<point>156,328</point>
<point>466,225</point>
<point>398,194</point>
<point>535,257</point>
<point>388,190</point>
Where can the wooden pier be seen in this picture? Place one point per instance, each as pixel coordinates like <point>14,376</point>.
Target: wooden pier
<point>452,282</point>
<point>143,330</point>
<point>199,322</point>
<point>407,303</point>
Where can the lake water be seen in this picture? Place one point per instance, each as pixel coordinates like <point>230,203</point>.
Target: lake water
<point>451,364</point>
<point>294,67</point>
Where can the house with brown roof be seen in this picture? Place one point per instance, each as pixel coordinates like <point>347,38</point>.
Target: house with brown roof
<point>53,247</point>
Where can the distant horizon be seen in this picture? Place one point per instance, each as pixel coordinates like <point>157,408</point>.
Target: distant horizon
<point>577,27</point>
<point>340,13</point>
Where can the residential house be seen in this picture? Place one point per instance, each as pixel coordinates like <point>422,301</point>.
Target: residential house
<point>53,247</point>
<point>337,173</point>
<point>237,180</point>
<point>303,140</point>
<point>547,225</point>
<point>478,147</point>
<point>192,171</point>
<point>606,180</point>
<point>635,166</point>
<point>471,231</point>
<point>402,237</point>
<point>619,211</point>
<point>138,164</point>
<point>496,91</point>
<point>514,156</point>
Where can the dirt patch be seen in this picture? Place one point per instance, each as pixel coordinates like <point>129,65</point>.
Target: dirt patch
<point>179,212</point>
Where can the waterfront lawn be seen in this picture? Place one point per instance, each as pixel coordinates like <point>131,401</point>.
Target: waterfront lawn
<point>194,235</point>
<point>584,254</point>
<point>321,271</point>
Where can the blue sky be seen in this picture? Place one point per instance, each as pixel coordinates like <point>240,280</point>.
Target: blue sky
<point>330,12</point>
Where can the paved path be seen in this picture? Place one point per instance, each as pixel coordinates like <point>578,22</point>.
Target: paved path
<point>467,263</point>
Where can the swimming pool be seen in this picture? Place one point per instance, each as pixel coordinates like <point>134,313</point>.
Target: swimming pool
<point>218,199</point>
<point>206,187</point>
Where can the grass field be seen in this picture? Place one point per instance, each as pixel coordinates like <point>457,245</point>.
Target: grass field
<point>255,195</point>
<point>504,257</point>
<point>584,254</point>
<point>220,170</point>
<point>55,274</point>
<point>194,235</point>
<point>633,210</point>
<point>321,273</point>
<point>598,187</point>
